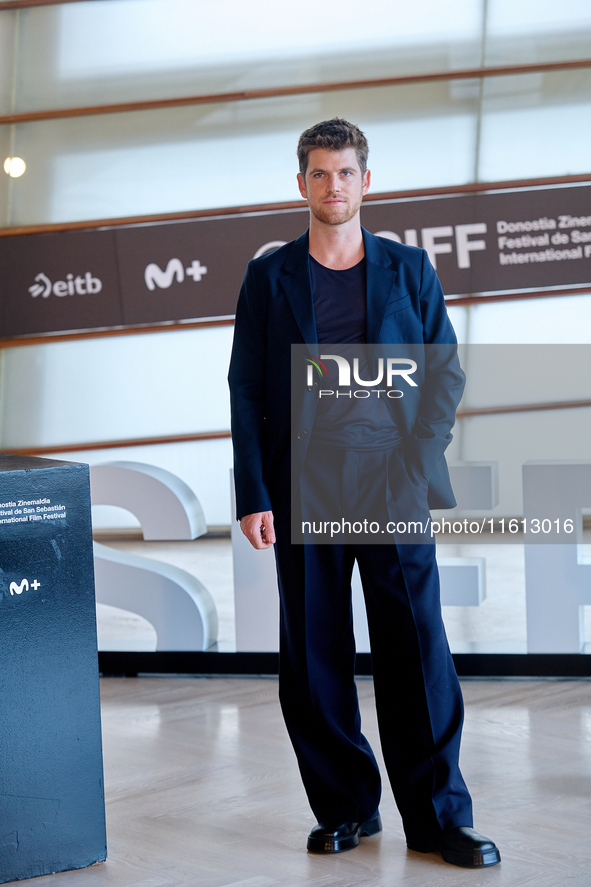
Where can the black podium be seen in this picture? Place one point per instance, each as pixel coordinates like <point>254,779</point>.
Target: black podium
<point>52,813</point>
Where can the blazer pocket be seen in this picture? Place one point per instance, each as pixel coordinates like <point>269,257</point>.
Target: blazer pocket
<point>398,305</point>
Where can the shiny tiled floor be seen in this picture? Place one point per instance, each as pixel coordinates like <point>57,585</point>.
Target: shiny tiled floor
<point>202,790</point>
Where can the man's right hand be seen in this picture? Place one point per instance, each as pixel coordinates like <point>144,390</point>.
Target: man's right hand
<point>258,529</point>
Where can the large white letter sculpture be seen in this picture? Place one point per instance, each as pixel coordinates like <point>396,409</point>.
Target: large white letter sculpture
<point>256,597</point>
<point>557,576</point>
<point>178,606</point>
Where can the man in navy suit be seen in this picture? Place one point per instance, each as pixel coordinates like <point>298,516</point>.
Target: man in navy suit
<point>338,283</point>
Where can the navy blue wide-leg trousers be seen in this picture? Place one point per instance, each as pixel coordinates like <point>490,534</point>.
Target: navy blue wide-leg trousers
<point>418,697</point>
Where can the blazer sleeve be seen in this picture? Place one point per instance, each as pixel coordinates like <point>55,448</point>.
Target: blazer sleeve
<point>247,398</point>
<point>444,379</point>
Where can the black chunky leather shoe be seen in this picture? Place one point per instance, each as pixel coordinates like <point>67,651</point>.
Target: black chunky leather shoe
<point>326,837</point>
<point>462,846</point>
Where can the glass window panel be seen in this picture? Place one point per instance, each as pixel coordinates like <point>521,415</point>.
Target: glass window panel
<point>434,151</point>
<point>121,387</point>
<point>514,438</point>
<point>233,154</point>
<point>459,318</point>
<point>7,22</point>
<point>510,375</point>
<point>203,464</point>
<point>128,387</point>
<point>499,625</point>
<point>537,16</point>
<point>140,34</point>
<point>101,52</point>
<point>535,126</point>
<point>6,183</point>
<point>562,320</point>
<point>537,30</point>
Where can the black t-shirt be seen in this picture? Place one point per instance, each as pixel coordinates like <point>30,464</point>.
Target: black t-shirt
<point>340,309</point>
<point>340,305</point>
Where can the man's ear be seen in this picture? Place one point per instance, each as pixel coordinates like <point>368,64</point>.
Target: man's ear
<point>302,186</point>
<point>366,181</point>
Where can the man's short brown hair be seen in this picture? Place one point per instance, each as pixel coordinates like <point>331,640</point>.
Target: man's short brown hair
<point>335,134</point>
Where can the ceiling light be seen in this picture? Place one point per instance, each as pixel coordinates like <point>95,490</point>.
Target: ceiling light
<point>14,166</point>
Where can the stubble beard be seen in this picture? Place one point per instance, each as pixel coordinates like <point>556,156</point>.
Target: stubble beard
<point>337,214</point>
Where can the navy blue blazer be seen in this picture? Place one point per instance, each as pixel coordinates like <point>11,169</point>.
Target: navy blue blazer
<point>275,310</point>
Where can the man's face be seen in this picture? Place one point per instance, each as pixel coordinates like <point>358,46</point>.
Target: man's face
<point>333,185</point>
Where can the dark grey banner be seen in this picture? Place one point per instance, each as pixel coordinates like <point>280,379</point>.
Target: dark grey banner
<point>492,242</point>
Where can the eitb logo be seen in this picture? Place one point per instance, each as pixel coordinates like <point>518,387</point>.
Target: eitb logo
<point>81,285</point>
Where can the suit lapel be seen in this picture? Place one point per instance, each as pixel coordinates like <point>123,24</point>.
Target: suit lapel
<point>295,282</point>
<point>298,290</point>
<point>381,280</point>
